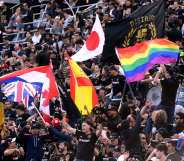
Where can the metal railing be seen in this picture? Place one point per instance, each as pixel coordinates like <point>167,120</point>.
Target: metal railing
<point>38,6</point>
<point>42,14</point>
<point>14,7</point>
<point>36,15</point>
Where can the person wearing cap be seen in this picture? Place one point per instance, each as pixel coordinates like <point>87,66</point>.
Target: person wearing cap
<point>34,139</point>
<point>114,118</point>
<point>55,131</point>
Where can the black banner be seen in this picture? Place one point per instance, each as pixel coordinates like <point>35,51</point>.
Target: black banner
<point>69,106</point>
<point>146,23</point>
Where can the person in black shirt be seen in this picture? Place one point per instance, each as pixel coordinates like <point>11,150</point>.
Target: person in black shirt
<point>13,152</point>
<point>86,141</point>
<point>118,82</point>
<point>21,116</point>
<point>1,32</point>
<point>169,86</point>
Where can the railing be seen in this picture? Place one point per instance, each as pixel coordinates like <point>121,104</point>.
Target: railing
<point>36,15</point>
<point>38,6</point>
<point>41,15</point>
<point>14,7</point>
<point>30,23</point>
<point>42,1</point>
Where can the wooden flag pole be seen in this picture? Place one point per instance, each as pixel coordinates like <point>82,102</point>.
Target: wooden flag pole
<point>39,113</point>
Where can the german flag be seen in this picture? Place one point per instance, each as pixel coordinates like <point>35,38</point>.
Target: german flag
<point>82,90</point>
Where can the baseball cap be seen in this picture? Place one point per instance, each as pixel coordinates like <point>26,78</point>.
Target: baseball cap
<point>56,122</point>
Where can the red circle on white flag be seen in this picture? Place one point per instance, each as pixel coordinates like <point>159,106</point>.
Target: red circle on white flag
<point>93,41</point>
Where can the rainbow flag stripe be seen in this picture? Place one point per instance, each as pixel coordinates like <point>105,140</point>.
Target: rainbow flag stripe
<point>138,59</point>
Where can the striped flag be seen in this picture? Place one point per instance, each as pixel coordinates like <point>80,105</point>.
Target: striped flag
<point>81,89</point>
<point>138,59</point>
<point>25,84</point>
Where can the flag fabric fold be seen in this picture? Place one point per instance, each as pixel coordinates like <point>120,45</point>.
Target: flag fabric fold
<point>24,85</point>
<point>82,90</point>
<point>93,45</point>
<point>138,59</point>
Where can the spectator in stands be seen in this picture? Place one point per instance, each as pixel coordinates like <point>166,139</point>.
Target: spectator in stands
<point>57,27</point>
<point>68,19</point>
<point>13,152</point>
<point>114,131</point>
<point>13,18</point>
<point>2,30</point>
<point>36,38</point>
<point>172,153</point>
<point>159,153</point>
<point>179,123</point>
<point>27,14</point>
<point>50,9</point>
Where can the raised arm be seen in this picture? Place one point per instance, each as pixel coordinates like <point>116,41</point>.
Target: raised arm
<point>69,128</point>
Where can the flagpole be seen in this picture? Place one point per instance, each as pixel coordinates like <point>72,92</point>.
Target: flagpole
<point>39,113</point>
<point>131,91</point>
<point>123,94</point>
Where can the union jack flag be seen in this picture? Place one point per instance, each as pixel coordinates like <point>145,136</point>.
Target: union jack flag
<point>21,92</point>
<point>27,84</point>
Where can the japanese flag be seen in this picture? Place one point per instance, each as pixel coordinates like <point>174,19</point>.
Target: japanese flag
<point>93,45</point>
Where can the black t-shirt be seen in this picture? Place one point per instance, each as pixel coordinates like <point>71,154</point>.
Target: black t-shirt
<point>169,89</point>
<point>85,147</point>
<point>117,84</point>
<point>1,32</point>
<point>21,120</point>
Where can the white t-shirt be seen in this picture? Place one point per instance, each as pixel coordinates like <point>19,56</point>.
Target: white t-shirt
<point>121,158</point>
<point>36,39</point>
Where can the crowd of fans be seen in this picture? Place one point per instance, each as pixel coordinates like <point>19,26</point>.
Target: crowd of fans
<point>129,129</point>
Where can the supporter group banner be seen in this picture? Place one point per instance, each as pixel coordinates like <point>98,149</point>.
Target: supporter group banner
<point>146,23</point>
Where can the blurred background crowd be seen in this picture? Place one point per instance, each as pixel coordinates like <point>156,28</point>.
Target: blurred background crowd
<point>35,33</point>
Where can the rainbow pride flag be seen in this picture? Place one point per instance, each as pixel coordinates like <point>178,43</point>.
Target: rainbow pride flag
<point>138,59</point>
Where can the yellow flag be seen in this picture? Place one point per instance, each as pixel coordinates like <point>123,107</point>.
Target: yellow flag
<point>82,90</point>
<point>1,115</point>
